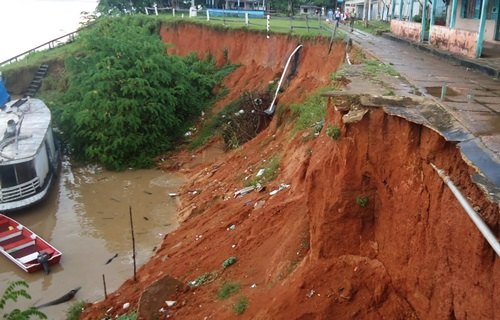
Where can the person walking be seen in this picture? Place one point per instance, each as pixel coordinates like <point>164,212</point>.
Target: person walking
<point>338,15</point>
<point>351,18</point>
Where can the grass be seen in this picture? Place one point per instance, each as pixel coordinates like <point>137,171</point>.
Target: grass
<point>131,316</point>
<point>228,289</point>
<point>241,305</point>
<point>75,310</point>
<point>271,171</point>
<point>375,27</point>
<point>310,112</point>
<point>305,29</point>
<point>40,57</point>
<point>373,68</point>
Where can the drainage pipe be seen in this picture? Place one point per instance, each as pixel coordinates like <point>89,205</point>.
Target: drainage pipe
<point>483,228</point>
<point>271,108</point>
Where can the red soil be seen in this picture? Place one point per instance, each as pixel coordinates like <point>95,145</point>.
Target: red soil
<point>311,250</point>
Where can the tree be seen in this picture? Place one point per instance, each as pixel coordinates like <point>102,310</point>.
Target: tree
<point>127,100</point>
<point>13,291</point>
<point>125,6</point>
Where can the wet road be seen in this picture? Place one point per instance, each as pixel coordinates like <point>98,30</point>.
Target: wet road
<point>86,216</point>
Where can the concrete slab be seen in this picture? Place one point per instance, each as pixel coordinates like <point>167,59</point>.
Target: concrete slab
<point>470,116</point>
<point>466,106</point>
<point>494,107</point>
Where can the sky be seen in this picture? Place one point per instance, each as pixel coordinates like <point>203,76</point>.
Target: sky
<point>25,24</point>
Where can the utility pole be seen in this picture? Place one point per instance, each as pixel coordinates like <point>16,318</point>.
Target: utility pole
<point>365,9</point>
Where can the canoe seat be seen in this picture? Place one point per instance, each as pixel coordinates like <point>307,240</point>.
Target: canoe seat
<point>28,258</point>
<point>18,245</point>
<point>6,235</point>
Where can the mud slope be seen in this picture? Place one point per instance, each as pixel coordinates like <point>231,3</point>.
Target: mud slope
<point>311,251</point>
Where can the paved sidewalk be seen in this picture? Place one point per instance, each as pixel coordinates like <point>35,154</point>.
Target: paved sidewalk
<point>488,66</point>
<point>471,107</point>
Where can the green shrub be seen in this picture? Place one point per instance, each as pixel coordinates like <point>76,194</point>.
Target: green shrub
<point>362,201</point>
<point>229,262</point>
<point>228,289</point>
<point>241,305</point>
<point>333,132</point>
<point>208,276</point>
<point>127,101</point>
<point>75,310</point>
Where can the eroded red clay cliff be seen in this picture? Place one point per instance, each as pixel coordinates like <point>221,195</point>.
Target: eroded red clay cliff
<point>310,251</point>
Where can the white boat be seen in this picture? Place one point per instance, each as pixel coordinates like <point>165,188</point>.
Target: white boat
<point>29,156</point>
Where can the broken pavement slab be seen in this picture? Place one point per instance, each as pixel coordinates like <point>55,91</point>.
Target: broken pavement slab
<point>431,114</point>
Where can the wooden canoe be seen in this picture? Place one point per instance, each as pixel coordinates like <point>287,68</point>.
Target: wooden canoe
<point>23,247</point>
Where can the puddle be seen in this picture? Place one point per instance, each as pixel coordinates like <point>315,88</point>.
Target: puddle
<point>86,216</point>
<point>436,92</point>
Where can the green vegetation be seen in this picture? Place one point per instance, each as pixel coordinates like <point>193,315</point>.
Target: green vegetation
<point>362,201</point>
<point>241,305</point>
<point>214,123</point>
<point>310,113</point>
<point>376,27</point>
<point>228,289</point>
<point>333,132</point>
<point>204,278</point>
<point>131,316</point>
<point>13,291</point>
<point>229,262</point>
<point>124,100</point>
<point>339,73</point>
<point>75,310</point>
<point>271,171</point>
<point>373,68</point>
<point>297,26</point>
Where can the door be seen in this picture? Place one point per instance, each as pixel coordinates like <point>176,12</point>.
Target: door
<point>496,17</point>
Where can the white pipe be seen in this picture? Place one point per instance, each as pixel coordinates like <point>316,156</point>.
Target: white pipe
<point>483,228</point>
<point>271,108</point>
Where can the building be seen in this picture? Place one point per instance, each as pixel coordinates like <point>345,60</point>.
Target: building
<point>467,27</point>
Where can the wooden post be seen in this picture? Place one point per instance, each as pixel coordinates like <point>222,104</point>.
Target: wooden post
<point>482,25</point>
<point>104,283</point>
<point>133,242</point>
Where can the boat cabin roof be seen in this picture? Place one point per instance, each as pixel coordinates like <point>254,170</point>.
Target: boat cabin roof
<point>31,118</point>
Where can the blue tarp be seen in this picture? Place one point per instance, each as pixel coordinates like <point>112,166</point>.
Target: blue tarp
<point>4,95</point>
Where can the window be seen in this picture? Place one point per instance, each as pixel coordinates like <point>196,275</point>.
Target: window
<point>25,172</point>
<point>471,9</point>
<point>7,176</point>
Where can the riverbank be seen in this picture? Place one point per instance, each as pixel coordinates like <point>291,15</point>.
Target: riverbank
<point>356,223</point>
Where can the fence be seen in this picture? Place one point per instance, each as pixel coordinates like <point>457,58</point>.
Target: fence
<point>69,37</point>
<point>259,20</point>
<point>253,19</point>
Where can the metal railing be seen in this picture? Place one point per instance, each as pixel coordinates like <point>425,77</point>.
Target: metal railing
<point>69,37</point>
<point>20,191</point>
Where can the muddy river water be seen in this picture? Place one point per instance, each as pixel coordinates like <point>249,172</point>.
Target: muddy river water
<point>86,216</point>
